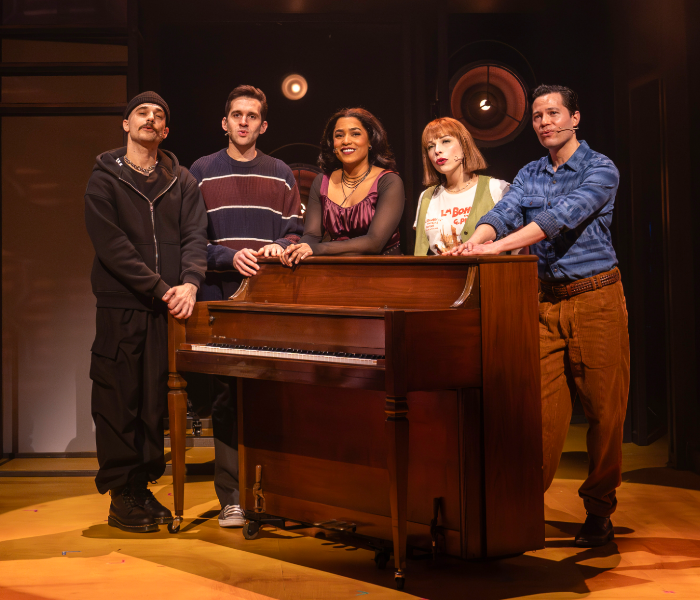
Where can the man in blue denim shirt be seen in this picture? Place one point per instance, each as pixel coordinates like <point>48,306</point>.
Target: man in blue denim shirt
<point>562,205</point>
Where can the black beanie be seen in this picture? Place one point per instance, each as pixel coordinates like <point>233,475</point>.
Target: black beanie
<point>147,98</point>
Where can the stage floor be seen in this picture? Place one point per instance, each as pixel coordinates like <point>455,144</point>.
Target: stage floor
<point>55,543</point>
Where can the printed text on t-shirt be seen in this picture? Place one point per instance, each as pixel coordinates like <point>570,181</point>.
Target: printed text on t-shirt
<point>456,211</point>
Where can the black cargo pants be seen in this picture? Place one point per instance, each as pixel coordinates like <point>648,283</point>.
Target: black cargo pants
<point>129,372</point>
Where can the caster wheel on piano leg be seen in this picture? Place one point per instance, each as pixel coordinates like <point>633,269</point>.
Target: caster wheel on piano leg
<point>251,530</point>
<point>381,558</point>
<point>174,527</point>
<point>399,580</point>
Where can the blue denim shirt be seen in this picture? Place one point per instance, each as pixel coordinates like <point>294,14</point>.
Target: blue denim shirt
<point>573,206</point>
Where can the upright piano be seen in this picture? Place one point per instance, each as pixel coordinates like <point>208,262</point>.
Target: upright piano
<point>336,357</point>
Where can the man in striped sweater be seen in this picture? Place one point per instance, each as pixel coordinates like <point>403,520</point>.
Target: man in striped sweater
<point>253,210</point>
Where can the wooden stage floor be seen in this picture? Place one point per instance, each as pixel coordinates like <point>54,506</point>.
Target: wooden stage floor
<point>55,544</point>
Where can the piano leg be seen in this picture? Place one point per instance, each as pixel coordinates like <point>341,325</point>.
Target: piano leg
<point>397,462</point>
<point>177,409</point>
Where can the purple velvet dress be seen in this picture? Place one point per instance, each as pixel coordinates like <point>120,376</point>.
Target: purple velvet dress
<point>365,227</point>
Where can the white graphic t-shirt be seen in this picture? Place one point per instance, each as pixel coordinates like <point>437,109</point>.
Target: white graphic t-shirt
<point>448,213</point>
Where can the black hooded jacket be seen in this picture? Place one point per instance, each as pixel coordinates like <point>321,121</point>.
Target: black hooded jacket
<point>143,247</point>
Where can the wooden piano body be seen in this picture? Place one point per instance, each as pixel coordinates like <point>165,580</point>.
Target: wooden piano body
<point>451,412</point>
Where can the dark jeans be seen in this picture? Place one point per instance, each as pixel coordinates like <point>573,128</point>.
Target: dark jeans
<point>219,393</point>
<point>584,348</point>
<point>129,372</point>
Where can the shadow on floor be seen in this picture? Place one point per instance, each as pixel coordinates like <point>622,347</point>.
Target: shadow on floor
<point>663,476</point>
<point>559,568</point>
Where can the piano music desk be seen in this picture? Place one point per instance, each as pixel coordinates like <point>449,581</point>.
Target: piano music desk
<point>450,345</point>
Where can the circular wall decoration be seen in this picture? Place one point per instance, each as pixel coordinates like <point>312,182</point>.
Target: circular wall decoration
<point>491,101</point>
<point>294,87</point>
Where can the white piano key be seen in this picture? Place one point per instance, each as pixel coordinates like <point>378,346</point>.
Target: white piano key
<point>292,355</point>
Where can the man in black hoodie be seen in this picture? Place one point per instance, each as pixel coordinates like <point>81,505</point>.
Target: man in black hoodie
<point>147,222</point>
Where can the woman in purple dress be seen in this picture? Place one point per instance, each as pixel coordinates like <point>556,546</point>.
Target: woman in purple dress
<point>358,200</point>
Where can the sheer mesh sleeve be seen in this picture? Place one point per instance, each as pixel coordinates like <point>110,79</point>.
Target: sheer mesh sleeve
<point>313,226</point>
<point>390,203</point>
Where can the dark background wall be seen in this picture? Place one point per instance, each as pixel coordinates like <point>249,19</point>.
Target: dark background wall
<point>632,62</point>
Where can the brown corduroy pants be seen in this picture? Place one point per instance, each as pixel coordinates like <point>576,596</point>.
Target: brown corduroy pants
<point>584,348</point>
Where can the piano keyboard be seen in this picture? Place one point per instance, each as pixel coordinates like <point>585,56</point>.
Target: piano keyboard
<point>296,354</point>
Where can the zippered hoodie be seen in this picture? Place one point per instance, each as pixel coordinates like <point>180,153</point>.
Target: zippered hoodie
<point>143,247</point>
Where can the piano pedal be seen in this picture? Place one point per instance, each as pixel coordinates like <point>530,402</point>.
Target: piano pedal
<point>197,427</point>
<point>258,496</point>
<point>335,525</point>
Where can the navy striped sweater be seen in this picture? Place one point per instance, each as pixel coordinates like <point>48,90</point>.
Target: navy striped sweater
<point>249,204</point>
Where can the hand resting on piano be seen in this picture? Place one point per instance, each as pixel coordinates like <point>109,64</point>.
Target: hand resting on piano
<point>246,263</point>
<point>295,253</point>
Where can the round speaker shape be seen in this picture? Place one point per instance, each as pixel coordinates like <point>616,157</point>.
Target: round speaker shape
<point>294,87</point>
<point>491,101</point>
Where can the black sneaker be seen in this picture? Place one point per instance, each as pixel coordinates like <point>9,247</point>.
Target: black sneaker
<point>126,513</point>
<point>145,498</point>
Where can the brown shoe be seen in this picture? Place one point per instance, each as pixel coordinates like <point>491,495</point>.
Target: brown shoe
<point>596,531</point>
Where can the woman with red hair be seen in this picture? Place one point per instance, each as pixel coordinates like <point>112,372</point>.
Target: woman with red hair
<point>449,209</point>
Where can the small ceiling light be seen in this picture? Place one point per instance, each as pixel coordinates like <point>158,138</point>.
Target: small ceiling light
<point>294,87</point>
<point>485,104</point>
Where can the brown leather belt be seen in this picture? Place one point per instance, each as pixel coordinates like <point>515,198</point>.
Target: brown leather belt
<point>580,286</point>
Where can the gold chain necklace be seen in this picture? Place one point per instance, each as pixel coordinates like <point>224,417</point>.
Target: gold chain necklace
<point>464,187</point>
<point>350,183</point>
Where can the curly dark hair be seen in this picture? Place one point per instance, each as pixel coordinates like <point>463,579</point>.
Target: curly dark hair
<point>380,153</point>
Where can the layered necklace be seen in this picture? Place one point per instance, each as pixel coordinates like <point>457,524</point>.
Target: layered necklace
<point>142,170</point>
<point>352,183</point>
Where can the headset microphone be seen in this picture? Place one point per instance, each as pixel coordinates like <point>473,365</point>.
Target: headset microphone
<point>566,129</point>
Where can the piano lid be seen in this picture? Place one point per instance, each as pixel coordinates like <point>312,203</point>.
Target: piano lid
<point>379,282</point>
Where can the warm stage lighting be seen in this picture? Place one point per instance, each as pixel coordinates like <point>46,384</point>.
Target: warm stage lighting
<point>485,104</point>
<point>294,87</point>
